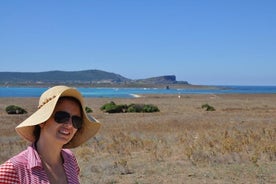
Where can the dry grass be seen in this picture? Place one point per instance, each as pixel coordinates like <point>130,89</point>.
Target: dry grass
<point>180,144</point>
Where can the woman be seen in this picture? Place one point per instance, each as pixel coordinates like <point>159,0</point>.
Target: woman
<point>59,123</point>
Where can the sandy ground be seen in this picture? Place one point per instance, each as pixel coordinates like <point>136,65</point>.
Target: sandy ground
<point>182,143</point>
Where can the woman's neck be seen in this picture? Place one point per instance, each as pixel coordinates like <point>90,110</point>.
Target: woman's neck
<point>49,153</point>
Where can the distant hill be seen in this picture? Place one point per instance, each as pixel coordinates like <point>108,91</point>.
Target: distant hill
<point>166,79</point>
<point>82,78</point>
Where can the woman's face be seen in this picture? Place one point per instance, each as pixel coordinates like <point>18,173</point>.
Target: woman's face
<point>61,133</point>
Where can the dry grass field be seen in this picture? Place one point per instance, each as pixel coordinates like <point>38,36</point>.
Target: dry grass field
<point>182,143</point>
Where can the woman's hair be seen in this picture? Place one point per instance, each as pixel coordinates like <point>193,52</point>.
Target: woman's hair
<point>37,128</point>
<point>36,132</point>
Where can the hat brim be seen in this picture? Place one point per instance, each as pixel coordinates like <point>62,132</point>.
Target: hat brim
<point>90,125</point>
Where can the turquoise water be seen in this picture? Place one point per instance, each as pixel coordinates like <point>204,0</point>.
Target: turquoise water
<point>133,92</point>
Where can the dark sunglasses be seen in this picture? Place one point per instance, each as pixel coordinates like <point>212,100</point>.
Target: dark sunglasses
<point>64,117</point>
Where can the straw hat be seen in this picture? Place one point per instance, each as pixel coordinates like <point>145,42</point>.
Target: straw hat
<point>47,104</point>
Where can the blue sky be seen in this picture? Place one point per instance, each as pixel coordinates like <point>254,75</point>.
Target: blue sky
<point>221,42</point>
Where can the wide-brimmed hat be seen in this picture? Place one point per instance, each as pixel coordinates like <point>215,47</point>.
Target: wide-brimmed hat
<point>47,104</point>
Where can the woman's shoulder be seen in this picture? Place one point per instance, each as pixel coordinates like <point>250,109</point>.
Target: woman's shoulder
<point>70,160</point>
<point>8,173</point>
<point>6,166</point>
<point>67,154</point>
<point>23,156</point>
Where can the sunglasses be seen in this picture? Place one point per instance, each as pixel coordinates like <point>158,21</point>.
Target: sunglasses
<point>64,117</point>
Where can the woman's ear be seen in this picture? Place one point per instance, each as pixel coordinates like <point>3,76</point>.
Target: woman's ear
<point>42,125</point>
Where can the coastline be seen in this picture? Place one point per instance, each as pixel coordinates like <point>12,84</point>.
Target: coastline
<point>108,92</point>
<point>183,142</point>
<point>109,85</point>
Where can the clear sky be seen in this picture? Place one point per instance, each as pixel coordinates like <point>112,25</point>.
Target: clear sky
<point>221,42</point>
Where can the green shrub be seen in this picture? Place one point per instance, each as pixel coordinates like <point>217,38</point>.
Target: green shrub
<point>88,109</point>
<point>111,107</point>
<point>135,108</point>
<point>108,105</point>
<point>142,108</point>
<point>150,108</point>
<point>13,109</point>
<point>208,107</point>
<point>119,108</point>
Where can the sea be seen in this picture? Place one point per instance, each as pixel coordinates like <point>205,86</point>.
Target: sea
<point>136,92</point>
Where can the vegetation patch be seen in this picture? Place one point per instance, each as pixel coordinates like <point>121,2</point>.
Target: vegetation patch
<point>88,109</point>
<point>13,109</point>
<point>208,107</point>
<point>112,107</point>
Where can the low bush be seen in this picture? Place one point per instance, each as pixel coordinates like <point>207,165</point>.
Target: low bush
<point>108,106</point>
<point>88,109</point>
<point>150,108</point>
<point>13,109</point>
<point>135,108</point>
<point>111,107</point>
<point>208,107</point>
